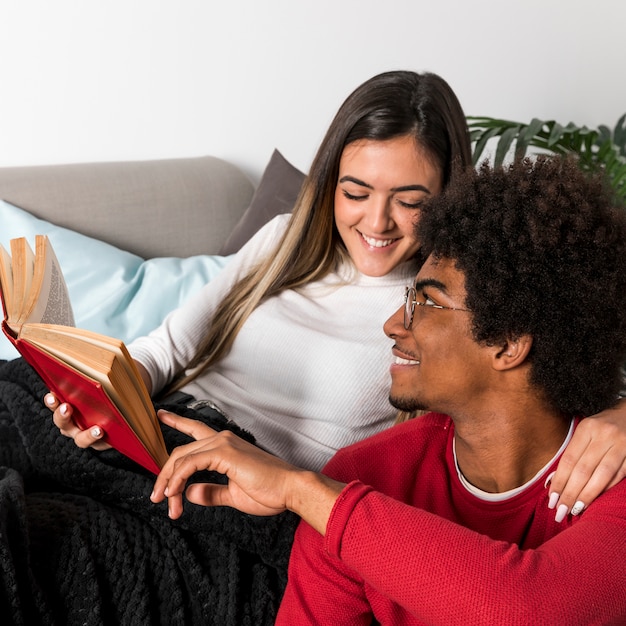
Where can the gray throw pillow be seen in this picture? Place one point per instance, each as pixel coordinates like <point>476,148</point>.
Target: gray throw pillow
<point>276,194</point>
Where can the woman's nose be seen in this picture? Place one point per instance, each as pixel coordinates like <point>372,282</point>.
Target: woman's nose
<point>380,216</point>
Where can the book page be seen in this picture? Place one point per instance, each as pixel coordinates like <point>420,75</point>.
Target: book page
<point>6,279</point>
<point>119,349</point>
<point>23,261</point>
<point>49,301</point>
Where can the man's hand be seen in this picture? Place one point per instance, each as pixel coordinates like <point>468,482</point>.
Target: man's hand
<point>258,482</point>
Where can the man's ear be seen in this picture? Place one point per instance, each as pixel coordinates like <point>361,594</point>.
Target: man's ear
<point>512,353</point>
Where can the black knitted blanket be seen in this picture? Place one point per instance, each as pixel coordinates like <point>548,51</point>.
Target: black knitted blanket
<point>81,543</point>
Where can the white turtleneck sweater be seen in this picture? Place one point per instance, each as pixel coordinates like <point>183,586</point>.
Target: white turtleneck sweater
<point>309,371</point>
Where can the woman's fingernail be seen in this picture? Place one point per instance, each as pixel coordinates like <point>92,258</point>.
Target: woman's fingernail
<point>96,431</point>
<point>554,498</point>
<point>561,513</point>
<point>549,478</point>
<point>65,409</point>
<point>49,399</point>
<point>578,507</point>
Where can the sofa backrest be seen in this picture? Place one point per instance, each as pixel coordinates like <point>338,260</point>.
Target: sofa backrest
<point>170,207</point>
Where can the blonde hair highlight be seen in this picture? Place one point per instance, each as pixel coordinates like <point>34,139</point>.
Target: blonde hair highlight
<point>307,251</point>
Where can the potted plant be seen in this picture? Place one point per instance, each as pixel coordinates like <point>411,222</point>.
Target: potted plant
<point>600,148</point>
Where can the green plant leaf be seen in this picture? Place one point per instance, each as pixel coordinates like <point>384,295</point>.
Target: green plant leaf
<point>619,135</point>
<point>604,133</point>
<point>482,142</point>
<point>506,139</point>
<point>556,133</point>
<point>600,149</point>
<point>527,136</point>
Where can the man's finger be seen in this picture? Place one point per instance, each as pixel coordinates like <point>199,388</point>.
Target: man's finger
<point>193,428</point>
<point>208,494</point>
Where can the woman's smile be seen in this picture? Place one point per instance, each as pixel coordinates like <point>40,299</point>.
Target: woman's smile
<point>380,189</point>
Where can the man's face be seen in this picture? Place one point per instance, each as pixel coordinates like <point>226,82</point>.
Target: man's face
<point>438,365</point>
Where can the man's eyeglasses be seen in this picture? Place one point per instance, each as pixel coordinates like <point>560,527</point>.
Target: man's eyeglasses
<point>411,301</point>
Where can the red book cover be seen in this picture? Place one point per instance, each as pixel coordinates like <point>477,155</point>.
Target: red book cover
<point>90,402</point>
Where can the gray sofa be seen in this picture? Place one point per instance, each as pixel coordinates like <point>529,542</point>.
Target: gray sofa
<point>173,207</point>
<point>136,239</point>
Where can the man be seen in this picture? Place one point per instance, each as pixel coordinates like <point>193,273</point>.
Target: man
<point>514,329</point>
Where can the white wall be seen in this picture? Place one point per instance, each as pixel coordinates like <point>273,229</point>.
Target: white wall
<point>100,80</point>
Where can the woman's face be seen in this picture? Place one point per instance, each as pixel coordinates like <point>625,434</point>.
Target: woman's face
<point>380,188</point>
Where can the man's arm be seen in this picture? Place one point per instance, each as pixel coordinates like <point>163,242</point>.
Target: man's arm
<point>425,568</point>
<point>416,568</point>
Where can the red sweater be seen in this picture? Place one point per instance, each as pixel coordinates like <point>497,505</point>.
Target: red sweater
<point>406,543</point>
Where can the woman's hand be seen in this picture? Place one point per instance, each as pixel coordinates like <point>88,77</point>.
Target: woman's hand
<point>258,482</point>
<point>92,436</point>
<point>62,417</point>
<point>594,461</point>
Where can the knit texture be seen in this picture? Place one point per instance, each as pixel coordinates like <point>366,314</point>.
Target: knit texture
<point>308,373</point>
<point>407,544</point>
<point>81,543</point>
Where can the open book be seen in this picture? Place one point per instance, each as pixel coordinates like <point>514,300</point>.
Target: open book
<point>92,372</point>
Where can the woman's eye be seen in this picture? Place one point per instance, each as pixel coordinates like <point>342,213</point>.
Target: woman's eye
<point>351,196</point>
<point>411,205</point>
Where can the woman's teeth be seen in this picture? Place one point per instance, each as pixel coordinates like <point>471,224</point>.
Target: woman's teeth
<point>377,243</point>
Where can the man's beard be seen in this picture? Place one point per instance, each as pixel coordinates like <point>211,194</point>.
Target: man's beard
<point>407,404</point>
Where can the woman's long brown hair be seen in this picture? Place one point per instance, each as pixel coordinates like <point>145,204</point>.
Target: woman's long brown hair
<point>389,105</point>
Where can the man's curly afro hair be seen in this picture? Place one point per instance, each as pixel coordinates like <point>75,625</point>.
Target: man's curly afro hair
<point>543,251</point>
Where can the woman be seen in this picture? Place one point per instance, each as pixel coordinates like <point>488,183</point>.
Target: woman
<point>347,247</point>
<point>288,340</point>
